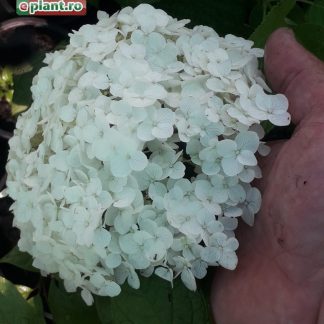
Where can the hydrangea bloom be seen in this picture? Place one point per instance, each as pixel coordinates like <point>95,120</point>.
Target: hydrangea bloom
<point>137,154</point>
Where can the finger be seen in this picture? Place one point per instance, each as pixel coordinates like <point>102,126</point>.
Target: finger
<point>292,70</point>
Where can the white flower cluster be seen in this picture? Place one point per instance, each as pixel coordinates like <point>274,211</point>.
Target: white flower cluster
<point>138,151</point>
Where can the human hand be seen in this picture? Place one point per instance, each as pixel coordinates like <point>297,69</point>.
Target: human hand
<point>280,274</point>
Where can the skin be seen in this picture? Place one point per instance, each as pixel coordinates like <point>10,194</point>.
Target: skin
<point>280,275</point>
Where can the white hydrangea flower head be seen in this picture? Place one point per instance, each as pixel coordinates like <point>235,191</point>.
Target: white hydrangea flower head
<point>138,152</point>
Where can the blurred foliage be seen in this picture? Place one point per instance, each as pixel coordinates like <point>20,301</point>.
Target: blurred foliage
<point>6,84</point>
<point>223,15</point>
<point>23,75</point>
<point>19,259</point>
<point>7,93</point>
<point>315,13</point>
<point>311,36</point>
<point>274,19</point>
<point>155,302</point>
<point>69,308</point>
<point>16,307</point>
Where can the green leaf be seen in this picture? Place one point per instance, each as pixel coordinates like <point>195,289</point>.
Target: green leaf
<point>69,308</point>
<point>297,15</point>
<point>17,109</point>
<point>222,15</point>
<point>267,126</point>
<point>315,14</point>
<point>15,309</point>
<point>273,20</point>
<point>226,17</point>
<point>23,77</point>
<point>256,16</point>
<point>155,302</point>
<point>311,36</point>
<point>94,3</point>
<point>19,259</point>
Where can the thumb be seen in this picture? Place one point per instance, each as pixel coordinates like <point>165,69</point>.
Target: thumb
<point>295,72</point>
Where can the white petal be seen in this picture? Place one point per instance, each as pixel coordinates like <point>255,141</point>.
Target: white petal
<point>124,198</point>
<point>248,216</point>
<point>253,111</point>
<point>247,175</point>
<point>75,95</point>
<point>147,24</point>
<point>162,131</point>
<point>199,269</point>
<point>58,161</point>
<point>164,273</point>
<point>242,87</point>
<point>110,289</point>
<point>138,161</point>
<point>230,224</point>
<point>188,279</point>
<point>101,149</point>
<point>120,166</point>
<point>237,193</point>
<point>228,260</point>
<point>280,120</point>
<point>247,141</point>
<point>177,171</point>
<point>155,91</point>
<point>86,79</point>
<point>233,212</point>
<point>90,133</point>
<point>210,168</point>
<point>73,194</point>
<point>231,166</point>
<point>154,251</point>
<point>264,149</point>
<point>219,195</point>
<point>144,132</point>
<point>139,261</point>
<point>123,223</point>
<point>226,148</point>
<point>238,114</point>
<point>157,189</point>
<point>127,244</point>
<point>101,237</point>
<point>210,254</point>
<point>102,15</point>
<point>101,82</point>
<point>263,101</point>
<point>68,113</point>
<point>154,171</point>
<point>113,260</point>
<point>97,280</point>
<point>133,279</point>
<point>87,297</point>
<point>215,84</point>
<point>165,236</point>
<point>247,158</point>
<point>232,244</point>
<point>279,102</point>
<point>202,188</point>
<point>105,199</point>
